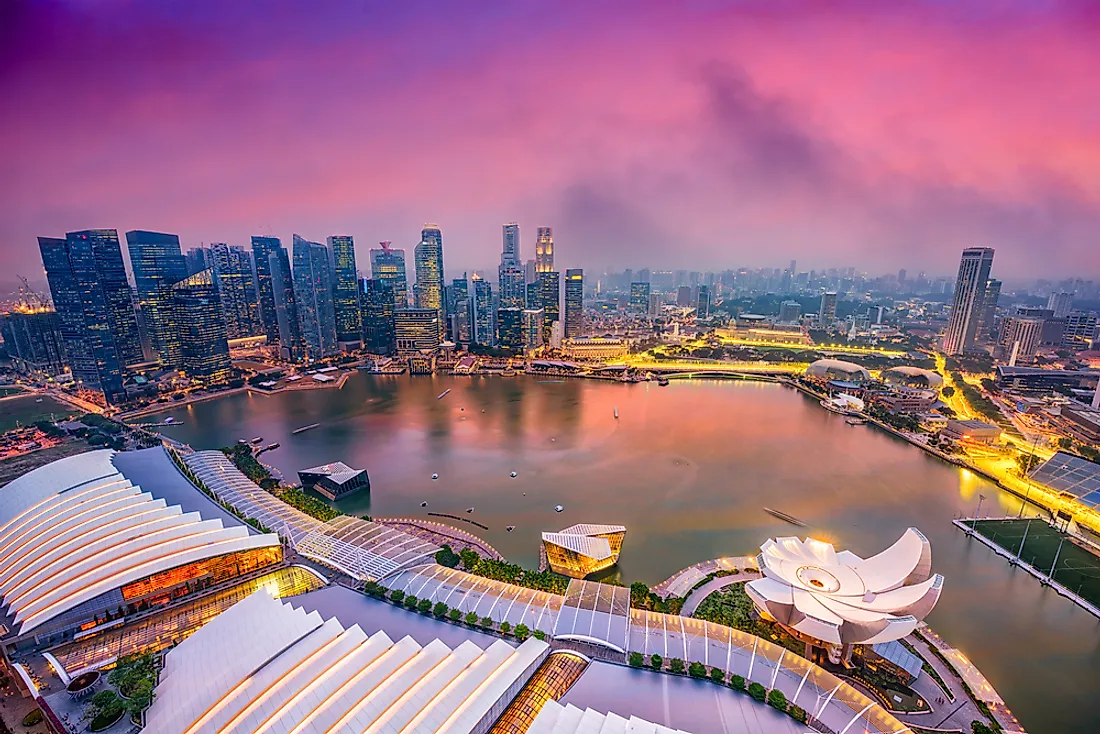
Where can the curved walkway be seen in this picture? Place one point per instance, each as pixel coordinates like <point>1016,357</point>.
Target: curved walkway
<point>682,582</point>
<point>695,598</point>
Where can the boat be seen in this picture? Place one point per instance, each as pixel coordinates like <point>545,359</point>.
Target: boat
<point>855,421</point>
<point>508,373</point>
<point>469,509</point>
<point>443,394</point>
<point>169,421</point>
<point>242,442</point>
<point>435,476</point>
<point>423,504</point>
<point>616,411</point>
<point>304,428</point>
<point>662,381</point>
<point>513,475</point>
<point>257,440</point>
<point>785,517</point>
<point>38,400</point>
<point>271,446</point>
<point>558,508</point>
<point>510,528</point>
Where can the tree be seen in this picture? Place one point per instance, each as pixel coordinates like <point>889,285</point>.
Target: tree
<point>676,665</point>
<point>635,659</point>
<point>697,670</point>
<point>454,615</point>
<point>411,601</point>
<point>470,559</point>
<point>758,692</point>
<point>656,662</point>
<point>505,627</point>
<point>979,727</point>
<point>639,595</point>
<point>440,610</point>
<point>370,588</point>
<point>797,713</point>
<point>447,557</point>
<point>718,675</point>
<point>539,635</point>
<point>737,682</point>
<point>424,606</point>
<point>948,392</point>
<point>471,618</point>
<point>777,700</point>
<point>487,622</point>
<point>522,631</point>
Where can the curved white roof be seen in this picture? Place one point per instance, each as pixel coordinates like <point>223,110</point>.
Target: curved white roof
<point>77,528</point>
<point>555,718</point>
<point>264,666</point>
<point>834,368</point>
<point>908,374</point>
<point>842,598</point>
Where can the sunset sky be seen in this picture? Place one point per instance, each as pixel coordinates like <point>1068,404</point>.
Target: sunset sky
<point>696,134</point>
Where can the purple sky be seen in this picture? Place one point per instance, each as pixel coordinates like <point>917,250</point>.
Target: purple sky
<point>699,134</point>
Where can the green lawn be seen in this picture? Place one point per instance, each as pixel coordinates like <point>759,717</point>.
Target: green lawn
<point>25,411</point>
<point>1078,569</point>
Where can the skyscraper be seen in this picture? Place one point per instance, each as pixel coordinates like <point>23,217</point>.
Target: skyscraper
<point>510,275</point>
<point>510,326</point>
<point>388,264</point>
<point>33,341</point>
<point>345,291</point>
<point>204,348</point>
<point>702,305</point>
<point>378,307</point>
<point>198,260</point>
<point>1020,337</point>
<point>639,297</point>
<point>416,329</point>
<point>510,252</point>
<point>574,303</point>
<point>967,307</point>
<point>429,269</point>
<point>116,291</point>
<point>549,300</point>
<point>286,307</point>
<point>262,247</point>
<point>826,312</point>
<point>989,309</point>
<point>158,264</point>
<point>1060,303</point>
<point>313,296</point>
<point>789,311</point>
<point>233,277</point>
<point>481,318</point>
<point>544,250</point>
<point>458,307</point>
<point>533,319</point>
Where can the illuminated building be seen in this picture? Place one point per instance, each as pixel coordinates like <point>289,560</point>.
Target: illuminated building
<point>639,297</point>
<point>915,377</point>
<point>334,480</point>
<point>345,291</point>
<point>789,312</point>
<point>826,312</point>
<point>416,329</point>
<point>702,306</point>
<point>1079,331</point>
<point>481,312</point>
<point>204,349</point>
<point>989,309</point>
<point>262,248</point>
<point>580,550</point>
<point>974,431</point>
<point>532,327</point>
<point>388,264</point>
<point>511,278</point>
<point>968,302</point>
<point>595,348</point>
<point>574,302</point>
<point>158,264</point>
<point>313,297</point>
<point>839,599</point>
<point>233,274</point>
<point>377,303</point>
<point>544,250</point>
<point>510,326</point>
<point>1060,303</point>
<point>1020,337</point>
<point>428,256</point>
<point>33,341</point>
<point>1039,379</point>
<point>556,718</point>
<point>549,293</point>
<point>286,307</point>
<point>836,369</point>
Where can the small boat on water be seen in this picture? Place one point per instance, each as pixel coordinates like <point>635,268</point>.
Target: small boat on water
<point>443,394</point>
<point>785,517</point>
<point>469,509</point>
<point>508,373</point>
<point>855,421</point>
<point>38,400</point>
<point>435,476</point>
<point>423,504</point>
<point>242,442</point>
<point>662,381</point>
<point>271,446</point>
<point>513,475</point>
<point>616,410</point>
<point>258,440</point>
<point>510,528</point>
<point>558,508</point>
<point>304,428</point>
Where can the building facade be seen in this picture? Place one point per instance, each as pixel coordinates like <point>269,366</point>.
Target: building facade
<point>345,290</point>
<point>33,340</point>
<point>549,291</point>
<point>702,303</point>
<point>233,275</point>
<point>204,346</point>
<point>1020,338</point>
<point>481,314</point>
<point>416,330</point>
<point>574,303</point>
<point>639,297</point>
<point>388,264</point>
<point>378,308</point>
<point>262,247</point>
<point>969,300</point>
<point>826,312</point>
<point>313,297</point>
<point>158,264</point>
<point>533,319</point>
<point>790,312</point>
<point>429,269</point>
<point>544,250</point>
<point>286,307</point>
<point>510,329</point>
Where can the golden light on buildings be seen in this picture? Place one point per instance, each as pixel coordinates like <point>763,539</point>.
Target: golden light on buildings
<point>580,550</point>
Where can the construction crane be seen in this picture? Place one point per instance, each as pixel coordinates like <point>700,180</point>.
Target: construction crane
<point>29,298</point>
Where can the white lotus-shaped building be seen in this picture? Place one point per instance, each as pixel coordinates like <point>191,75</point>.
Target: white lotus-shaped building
<point>843,599</point>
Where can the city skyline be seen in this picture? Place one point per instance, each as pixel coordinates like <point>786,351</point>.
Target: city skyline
<point>884,166</point>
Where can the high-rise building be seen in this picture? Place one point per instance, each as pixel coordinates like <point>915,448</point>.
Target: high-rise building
<point>429,269</point>
<point>158,264</point>
<point>262,247</point>
<point>549,300</point>
<point>236,289</point>
<point>1060,303</point>
<point>989,309</point>
<point>702,303</point>
<point>378,308</point>
<point>33,341</point>
<point>826,312</point>
<point>388,264</point>
<point>684,296</point>
<point>789,312</point>
<point>286,307</point>
<point>655,305</point>
<point>458,306</point>
<point>574,302</point>
<point>481,316</point>
<point>345,290</point>
<point>198,260</point>
<point>204,347</point>
<point>510,252</point>
<point>967,307</point>
<point>1079,330</point>
<point>416,329</point>
<point>461,333</point>
<point>510,275</point>
<point>533,319</point>
<point>116,291</point>
<point>639,297</point>
<point>510,327</point>
<point>544,250</point>
<point>1020,338</point>
<point>313,296</point>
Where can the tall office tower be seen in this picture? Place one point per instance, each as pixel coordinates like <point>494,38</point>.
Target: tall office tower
<point>643,276</point>
<point>989,309</point>
<point>513,286</point>
<point>198,260</point>
<point>574,303</point>
<point>533,294</point>
<point>378,307</point>
<point>236,289</point>
<point>388,264</point>
<point>544,250</point>
<point>33,341</point>
<point>789,312</point>
<point>510,252</point>
<point>429,269</point>
<point>533,319</point>
<point>1079,330</point>
<point>262,247</point>
<point>702,303</point>
<point>510,326</point>
<point>458,304</point>
<point>204,347</point>
<point>286,307</point>
<point>530,271</point>
<point>639,297</point>
<point>684,296</point>
<point>549,300</point>
<point>416,329</point>
<point>119,299</point>
<point>313,297</point>
<point>901,275</point>
<point>481,316</point>
<point>460,322</point>
<point>1060,304</point>
<point>1020,338</point>
<point>826,312</point>
<point>655,305</point>
<point>345,290</point>
<point>968,302</point>
<point>158,264</point>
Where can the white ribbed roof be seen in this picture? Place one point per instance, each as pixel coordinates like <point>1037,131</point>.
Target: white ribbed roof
<point>77,528</point>
<point>585,539</point>
<point>264,666</point>
<point>557,719</point>
<point>589,529</point>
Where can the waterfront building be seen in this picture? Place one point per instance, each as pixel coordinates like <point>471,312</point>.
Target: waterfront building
<point>790,312</point>
<point>158,264</point>
<point>595,348</point>
<point>236,289</point>
<point>510,326</point>
<point>33,341</point>
<point>1060,303</point>
<point>533,319</point>
<point>388,264</point>
<point>580,550</point>
<point>1020,338</point>
<point>544,250</point>
<point>334,480</point>
<point>639,297</point>
<point>907,400</point>
<point>458,308</point>
<point>345,291</point>
<point>118,297</point>
<point>836,600</point>
<point>574,303</point>
<point>286,307</point>
<point>969,300</point>
<point>429,269</point>
<point>378,316</point>
<point>826,312</point>
<point>416,330</point>
<point>262,247</point>
<point>826,370</point>
<point>313,297</point>
<point>461,331</point>
<point>204,347</point>
<point>481,312</point>
<point>989,310</point>
<point>549,299</point>
<point>702,304</point>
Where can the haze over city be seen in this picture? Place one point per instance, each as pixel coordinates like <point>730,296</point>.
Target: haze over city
<point>699,135</point>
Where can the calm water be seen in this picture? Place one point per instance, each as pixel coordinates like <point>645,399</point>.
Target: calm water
<point>687,469</point>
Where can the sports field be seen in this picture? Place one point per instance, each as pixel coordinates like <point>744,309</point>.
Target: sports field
<point>1078,569</point>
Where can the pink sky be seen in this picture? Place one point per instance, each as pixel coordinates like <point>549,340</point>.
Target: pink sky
<point>703,135</point>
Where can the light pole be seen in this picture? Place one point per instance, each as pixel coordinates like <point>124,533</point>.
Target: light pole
<point>1050,576</point>
<point>974,522</point>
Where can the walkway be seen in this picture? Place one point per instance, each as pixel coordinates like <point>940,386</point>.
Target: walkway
<point>695,598</point>
<point>682,582</point>
<point>441,534</point>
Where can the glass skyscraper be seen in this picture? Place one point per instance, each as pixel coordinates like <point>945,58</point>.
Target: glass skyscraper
<point>286,307</point>
<point>639,297</point>
<point>969,300</point>
<point>429,269</point>
<point>313,296</point>
<point>204,348</point>
<point>549,301</point>
<point>233,272</point>
<point>574,303</point>
<point>158,264</point>
<point>510,326</point>
<point>481,320</point>
<point>345,290</point>
<point>262,247</point>
<point>116,291</point>
<point>544,250</point>
<point>378,307</point>
<point>388,264</point>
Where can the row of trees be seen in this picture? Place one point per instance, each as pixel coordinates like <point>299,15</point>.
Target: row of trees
<point>439,610</point>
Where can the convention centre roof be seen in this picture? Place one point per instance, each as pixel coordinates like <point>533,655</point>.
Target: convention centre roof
<point>1070,474</point>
